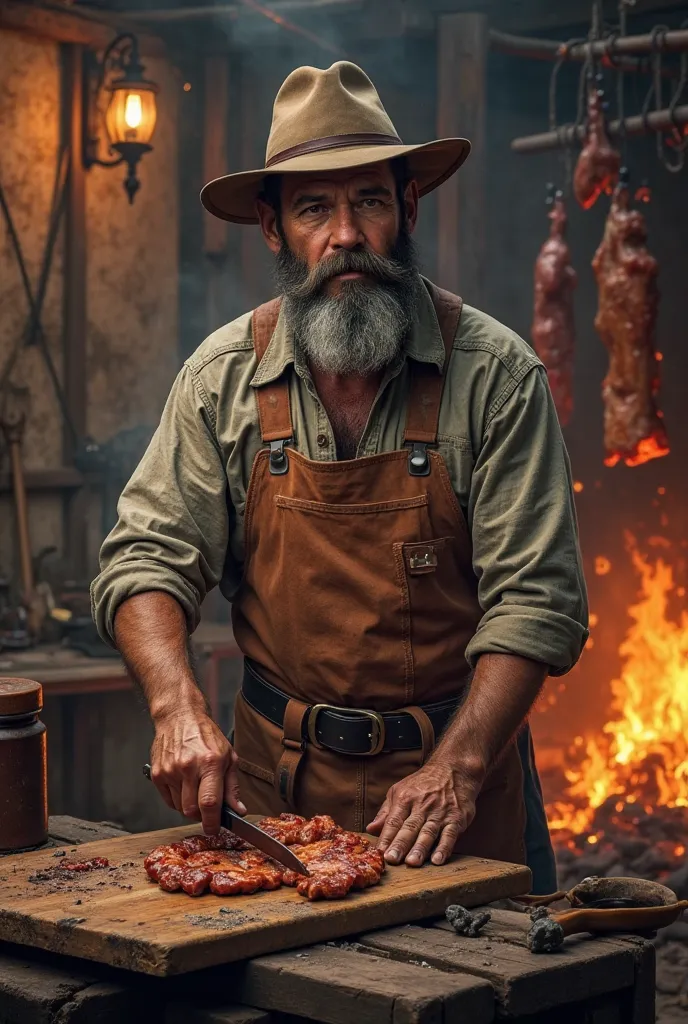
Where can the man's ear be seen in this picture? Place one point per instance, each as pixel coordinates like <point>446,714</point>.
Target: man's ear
<point>411,203</point>
<point>268,225</point>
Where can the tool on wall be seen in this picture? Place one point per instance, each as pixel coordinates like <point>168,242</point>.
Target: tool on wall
<point>13,411</point>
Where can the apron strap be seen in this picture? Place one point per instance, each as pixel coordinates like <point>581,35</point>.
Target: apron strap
<point>426,383</point>
<point>427,732</point>
<point>274,412</point>
<point>294,747</point>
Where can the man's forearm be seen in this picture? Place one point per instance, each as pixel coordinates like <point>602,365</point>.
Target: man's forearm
<point>151,634</point>
<point>502,692</point>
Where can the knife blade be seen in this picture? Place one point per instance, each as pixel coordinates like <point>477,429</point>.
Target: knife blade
<point>255,836</point>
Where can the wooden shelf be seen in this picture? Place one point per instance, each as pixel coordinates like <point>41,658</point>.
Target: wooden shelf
<point>64,478</point>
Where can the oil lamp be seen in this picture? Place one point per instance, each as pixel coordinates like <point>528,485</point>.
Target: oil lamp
<point>131,110</point>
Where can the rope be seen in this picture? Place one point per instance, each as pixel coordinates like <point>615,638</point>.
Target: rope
<point>34,332</point>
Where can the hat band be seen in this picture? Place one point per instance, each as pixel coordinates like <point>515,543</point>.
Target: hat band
<point>334,142</point>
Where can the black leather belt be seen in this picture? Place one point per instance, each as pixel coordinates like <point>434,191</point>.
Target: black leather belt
<point>347,731</point>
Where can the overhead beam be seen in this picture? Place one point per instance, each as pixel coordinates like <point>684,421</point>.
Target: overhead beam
<point>462,41</point>
<point>235,10</point>
<point>69,26</point>
<point>567,134</point>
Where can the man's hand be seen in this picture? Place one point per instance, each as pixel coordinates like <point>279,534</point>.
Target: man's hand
<point>432,806</point>
<point>194,767</point>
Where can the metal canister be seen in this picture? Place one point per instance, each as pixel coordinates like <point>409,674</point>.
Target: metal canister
<point>23,767</point>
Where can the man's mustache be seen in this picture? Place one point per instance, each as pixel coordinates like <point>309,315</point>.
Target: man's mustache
<point>384,269</point>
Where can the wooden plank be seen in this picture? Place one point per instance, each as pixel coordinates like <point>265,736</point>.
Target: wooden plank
<point>192,1013</point>
<point>126,921</point>
<point>74,302</point>
<point>75,831</point>
<point>62,478</point>
<point>523,982</point>
<point>70,26</point>
<point>337,986</point>
<point>461,102</point>
<point>215,159</point>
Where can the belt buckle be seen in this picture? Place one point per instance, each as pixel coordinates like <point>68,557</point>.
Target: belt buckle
<point>377,722</point>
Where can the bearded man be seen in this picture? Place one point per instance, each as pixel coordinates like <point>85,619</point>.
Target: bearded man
<point>374,474</point>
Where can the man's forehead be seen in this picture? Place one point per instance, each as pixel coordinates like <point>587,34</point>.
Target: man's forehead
<point>359,177</point>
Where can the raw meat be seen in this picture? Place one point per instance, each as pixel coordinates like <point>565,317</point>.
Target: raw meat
<point>347,861</point>
<point>553,330</point>
<point>337,861</point>
<point>83,865</point>
<point>597,168</point>
<point>626,275</point>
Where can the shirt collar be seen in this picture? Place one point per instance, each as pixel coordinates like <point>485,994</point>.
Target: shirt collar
<point>423,343</point>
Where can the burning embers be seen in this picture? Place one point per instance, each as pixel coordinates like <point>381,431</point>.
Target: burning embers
<point>628,784</point>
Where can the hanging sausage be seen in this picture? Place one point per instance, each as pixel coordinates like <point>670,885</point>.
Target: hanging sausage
<point>597,168</point>
<point>626,275</point>
<point>553,332</point>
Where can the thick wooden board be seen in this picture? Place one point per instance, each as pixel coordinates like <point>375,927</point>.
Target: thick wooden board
<point>119,917</point>
<point>335,986</point>
<point>524,983</point>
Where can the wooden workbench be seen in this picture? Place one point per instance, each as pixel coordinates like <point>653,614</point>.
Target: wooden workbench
<point>420,974</point>
<point>78,680</point>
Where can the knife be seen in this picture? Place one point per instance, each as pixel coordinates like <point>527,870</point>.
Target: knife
<point>255,836</point>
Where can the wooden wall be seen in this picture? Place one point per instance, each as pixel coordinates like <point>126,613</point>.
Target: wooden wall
<point>131,273</point>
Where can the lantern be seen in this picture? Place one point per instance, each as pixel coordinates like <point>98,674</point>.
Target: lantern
<point>131,112</point>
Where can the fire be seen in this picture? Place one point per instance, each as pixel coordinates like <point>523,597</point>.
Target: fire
<point>640,760</point>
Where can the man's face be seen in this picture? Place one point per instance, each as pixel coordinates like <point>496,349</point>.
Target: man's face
<point>345,265</point>
<point>349,209</point>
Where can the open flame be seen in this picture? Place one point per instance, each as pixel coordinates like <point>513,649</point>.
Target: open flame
<point>639,761</point>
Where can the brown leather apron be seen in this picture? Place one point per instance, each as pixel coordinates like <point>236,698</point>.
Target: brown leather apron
<point>358,592</point>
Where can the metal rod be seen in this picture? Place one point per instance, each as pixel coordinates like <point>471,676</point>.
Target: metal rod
<point>567,134</point>
<point>554,49</point>
<point>233,10</point>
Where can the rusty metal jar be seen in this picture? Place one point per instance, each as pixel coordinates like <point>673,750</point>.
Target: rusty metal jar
<point>23,768</point>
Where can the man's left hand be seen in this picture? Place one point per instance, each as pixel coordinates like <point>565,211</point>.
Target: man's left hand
<point>430,808</point>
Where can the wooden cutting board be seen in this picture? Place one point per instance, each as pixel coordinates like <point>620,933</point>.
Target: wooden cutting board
<point>117,916</point>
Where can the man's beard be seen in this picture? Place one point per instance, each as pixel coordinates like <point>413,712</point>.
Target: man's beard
<point>361,329</point>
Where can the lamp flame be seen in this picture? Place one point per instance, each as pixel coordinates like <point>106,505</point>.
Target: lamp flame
<point>133,110</point>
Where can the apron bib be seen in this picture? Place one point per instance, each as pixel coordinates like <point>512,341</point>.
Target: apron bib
<point>358,592</point>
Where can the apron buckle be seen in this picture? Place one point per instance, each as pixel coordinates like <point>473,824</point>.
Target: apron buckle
<point>418,461</point>
<point>279,462</point>
<point>377,727</point>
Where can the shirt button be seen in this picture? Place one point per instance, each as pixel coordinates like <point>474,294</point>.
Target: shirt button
<point>323,440</point>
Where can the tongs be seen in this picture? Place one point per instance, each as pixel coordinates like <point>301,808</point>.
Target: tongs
<point>601,905</point>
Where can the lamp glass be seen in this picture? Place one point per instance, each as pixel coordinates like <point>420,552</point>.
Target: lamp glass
<point>131,112</point>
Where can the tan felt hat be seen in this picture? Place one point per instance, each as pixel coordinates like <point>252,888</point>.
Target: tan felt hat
<point>324,121</point>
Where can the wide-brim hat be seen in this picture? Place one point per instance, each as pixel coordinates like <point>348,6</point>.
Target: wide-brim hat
<point>326,121</point>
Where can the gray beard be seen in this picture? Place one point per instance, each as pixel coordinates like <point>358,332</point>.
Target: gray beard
<point>362,329</point>
<point>355,333</point>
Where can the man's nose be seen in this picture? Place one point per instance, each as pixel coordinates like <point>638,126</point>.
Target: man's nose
<point>345,232</point>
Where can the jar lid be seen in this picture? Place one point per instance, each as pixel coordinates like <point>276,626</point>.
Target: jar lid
<point>20,696</point>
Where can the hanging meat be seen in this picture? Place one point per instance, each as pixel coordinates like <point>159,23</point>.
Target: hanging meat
<point>553,331</point>
<point>626,275</point>
<point>597,169</point>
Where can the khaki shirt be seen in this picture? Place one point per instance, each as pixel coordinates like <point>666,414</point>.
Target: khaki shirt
<point>181,516</point>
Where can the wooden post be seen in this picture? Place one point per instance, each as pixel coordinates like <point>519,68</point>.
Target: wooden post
<point>215,163</point>
<point>461,100</point>
<point>74,322</point>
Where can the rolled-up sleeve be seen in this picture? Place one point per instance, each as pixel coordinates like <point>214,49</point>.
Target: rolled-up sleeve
<point>173,521</point>
<point>525,539</point>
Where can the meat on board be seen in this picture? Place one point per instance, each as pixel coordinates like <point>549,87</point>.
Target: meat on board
<point>337,861</point>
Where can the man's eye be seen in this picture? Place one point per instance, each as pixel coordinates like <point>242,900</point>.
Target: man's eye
<point>315,209</point>
<point>370,203</point>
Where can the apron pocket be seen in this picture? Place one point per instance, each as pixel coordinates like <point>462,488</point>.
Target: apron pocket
<point>435,609</point>
<point>364,508</point>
